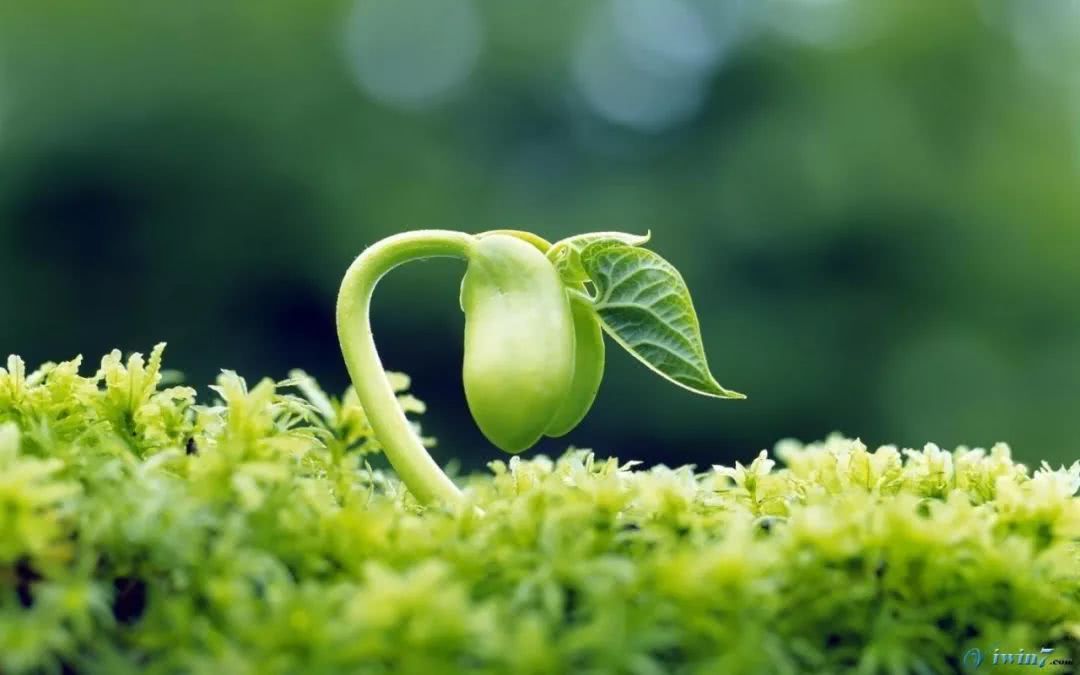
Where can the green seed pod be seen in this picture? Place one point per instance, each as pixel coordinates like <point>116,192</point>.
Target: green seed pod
<point>588,370</point>
<point>519,341</point>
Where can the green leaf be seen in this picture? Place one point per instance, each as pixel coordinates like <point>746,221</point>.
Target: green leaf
<point>579,242</point>
<point>565,254</point>
<point>645,306</point>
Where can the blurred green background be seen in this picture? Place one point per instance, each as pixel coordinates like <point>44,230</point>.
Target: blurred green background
<point>875,204</point>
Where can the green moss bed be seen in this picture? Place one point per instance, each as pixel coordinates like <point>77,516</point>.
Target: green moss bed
<point>142,531</point>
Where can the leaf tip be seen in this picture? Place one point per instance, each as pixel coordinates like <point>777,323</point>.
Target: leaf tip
<point>719,391</point>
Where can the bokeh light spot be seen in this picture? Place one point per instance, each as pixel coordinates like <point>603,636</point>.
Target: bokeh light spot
<point>669,33</point>
<point>410,53</point>
<point>833,24</point>
<point>644,64</point>
<point>1045,33</point>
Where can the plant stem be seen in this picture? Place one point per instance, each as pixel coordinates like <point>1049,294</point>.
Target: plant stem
<point>403,448</point>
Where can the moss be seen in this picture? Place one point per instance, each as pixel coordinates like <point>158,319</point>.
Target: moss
<point>143,532</point>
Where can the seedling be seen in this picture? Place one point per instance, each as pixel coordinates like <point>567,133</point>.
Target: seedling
<point>535,314</point>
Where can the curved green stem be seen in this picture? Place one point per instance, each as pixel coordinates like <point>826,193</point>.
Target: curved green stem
<point>403,448</point>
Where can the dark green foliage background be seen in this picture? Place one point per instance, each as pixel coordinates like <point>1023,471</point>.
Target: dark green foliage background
<point>880,228</point>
